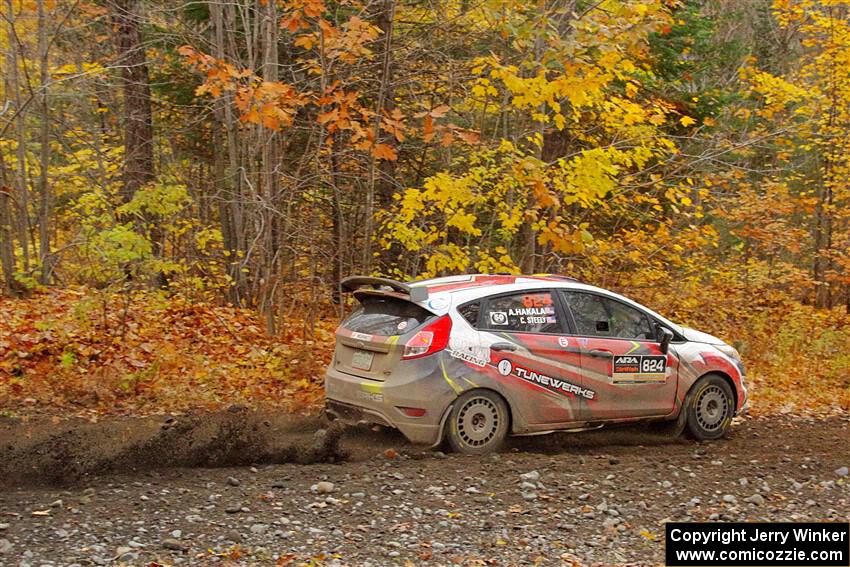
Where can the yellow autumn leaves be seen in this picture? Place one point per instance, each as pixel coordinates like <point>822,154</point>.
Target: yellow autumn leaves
<point>582,91</point>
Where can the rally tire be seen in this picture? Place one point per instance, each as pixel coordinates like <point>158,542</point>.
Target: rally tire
<point>478,423</point>
<point>709,408</point>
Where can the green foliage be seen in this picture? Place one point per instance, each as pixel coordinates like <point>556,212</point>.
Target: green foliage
<point>119,239</point>
<point>164,200</point>
<point>692,63</point>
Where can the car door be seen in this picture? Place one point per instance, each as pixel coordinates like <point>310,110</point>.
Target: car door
<point>529,356</point>
<point>621,359</point>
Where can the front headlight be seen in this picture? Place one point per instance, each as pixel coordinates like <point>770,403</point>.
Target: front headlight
<point>732,353</point>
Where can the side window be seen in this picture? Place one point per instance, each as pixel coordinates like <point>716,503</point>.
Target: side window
<point>589,313</point>
<point>628,323</point>
<point>524,312</point>
<point>470,312</point>
<point>598,316</point>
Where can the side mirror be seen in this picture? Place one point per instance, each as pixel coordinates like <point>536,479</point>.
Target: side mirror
<point>665,336</point>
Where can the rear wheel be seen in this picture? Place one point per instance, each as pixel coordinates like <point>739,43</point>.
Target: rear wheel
<point>710,407</point>
<point>478,423</point>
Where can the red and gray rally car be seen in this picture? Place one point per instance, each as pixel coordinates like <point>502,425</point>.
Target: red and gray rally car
<point>471,359</point>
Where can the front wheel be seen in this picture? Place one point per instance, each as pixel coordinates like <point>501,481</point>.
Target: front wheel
<point>478,423</point>
<point>710,407</point>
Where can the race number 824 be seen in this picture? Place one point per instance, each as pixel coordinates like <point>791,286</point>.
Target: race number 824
<point>652,364</point>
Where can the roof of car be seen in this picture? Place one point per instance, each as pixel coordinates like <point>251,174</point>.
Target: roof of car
<point>458,283</point>
<point>469,287</point>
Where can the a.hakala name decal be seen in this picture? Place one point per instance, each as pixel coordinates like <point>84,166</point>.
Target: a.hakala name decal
<point>516,316</point>
<point>639,368</point>
<point>506,367</point>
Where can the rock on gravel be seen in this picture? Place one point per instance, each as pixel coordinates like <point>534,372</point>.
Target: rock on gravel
<point>323,487</point>
<point>175,545</point>
<point>756,499</point>
<point>531,476</point>
<point>842,471</point>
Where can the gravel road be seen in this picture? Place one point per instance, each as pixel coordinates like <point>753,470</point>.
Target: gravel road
<point>592,498</point>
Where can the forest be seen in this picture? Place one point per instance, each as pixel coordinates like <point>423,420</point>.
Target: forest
<point>183,185</point>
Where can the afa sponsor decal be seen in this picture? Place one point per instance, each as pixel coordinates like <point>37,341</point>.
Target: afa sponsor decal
<point>506,367</point>
<point>361,336</point>
<point>469,357</point>
<point>639,368</point>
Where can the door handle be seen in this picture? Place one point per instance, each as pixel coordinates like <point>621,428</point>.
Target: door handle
<point>503,346</point>
<point>599,353</point>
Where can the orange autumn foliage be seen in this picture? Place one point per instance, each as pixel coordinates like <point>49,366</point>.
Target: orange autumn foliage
<point>80,351</point>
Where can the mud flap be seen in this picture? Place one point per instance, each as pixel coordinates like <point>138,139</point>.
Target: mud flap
<point>442,430</point>
<point>681,421</point>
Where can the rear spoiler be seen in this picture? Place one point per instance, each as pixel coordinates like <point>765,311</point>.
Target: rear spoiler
<point>353,283</point>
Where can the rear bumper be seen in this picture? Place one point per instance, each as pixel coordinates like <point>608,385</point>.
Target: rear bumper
<point>353,400</point>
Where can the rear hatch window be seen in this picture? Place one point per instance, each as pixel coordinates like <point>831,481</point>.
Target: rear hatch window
<point>371,349</point>
<point>385,316</point>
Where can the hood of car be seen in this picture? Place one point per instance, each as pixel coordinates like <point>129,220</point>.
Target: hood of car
<point>700,337</point>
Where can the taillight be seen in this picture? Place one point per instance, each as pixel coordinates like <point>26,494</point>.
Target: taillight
<point>431,339</point>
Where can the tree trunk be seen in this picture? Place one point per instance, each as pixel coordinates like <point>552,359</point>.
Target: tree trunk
<point>268,176</point>
<point>387,169</point>
<point>7,245</point>
<point>21,178</point>
<point>231,206</point>
<point>138,119</point>
<point>339,230</point>
<point>44,188</point>
<point>385,21</point>
<point>823,246</point>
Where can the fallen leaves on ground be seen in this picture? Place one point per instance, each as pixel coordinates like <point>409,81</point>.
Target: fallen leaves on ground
<point>85,351</point>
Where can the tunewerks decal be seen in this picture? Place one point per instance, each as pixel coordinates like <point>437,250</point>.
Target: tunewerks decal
<point>506,367</point>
